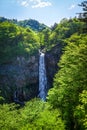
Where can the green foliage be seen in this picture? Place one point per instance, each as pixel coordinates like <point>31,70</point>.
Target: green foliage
<point>38,115</point>
<point>33,24</point>
<point>30,23</point>
<point>67,100</point>
<point>67,27</point>
<point>35,115</point>
<point>45,34</point>
<point>1,99</point>
<point>59,32</point>
<point>83,15</point>
<point>81,111</point>
<point>9,117</point>
<point>49,119</point>
<point>16,41</point>
<point>71,79</point>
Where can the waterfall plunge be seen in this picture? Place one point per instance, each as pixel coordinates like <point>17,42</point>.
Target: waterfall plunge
<point>42,77</point>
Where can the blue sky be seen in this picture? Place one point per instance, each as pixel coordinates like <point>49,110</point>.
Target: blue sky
<point>45,11</point>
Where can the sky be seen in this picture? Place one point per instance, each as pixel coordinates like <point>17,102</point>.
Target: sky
<point>45,11</point>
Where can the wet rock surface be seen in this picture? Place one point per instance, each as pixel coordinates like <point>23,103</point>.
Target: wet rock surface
<point>20,75</point>
<point>52,58</point>
<point>19,79</point>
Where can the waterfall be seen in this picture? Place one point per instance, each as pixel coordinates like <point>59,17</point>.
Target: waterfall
<point>42,77</point>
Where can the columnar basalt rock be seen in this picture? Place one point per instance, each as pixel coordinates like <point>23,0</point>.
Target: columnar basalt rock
<point>21,75</point>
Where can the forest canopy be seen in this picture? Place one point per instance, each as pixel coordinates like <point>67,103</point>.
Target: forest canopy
<point>66,105</point>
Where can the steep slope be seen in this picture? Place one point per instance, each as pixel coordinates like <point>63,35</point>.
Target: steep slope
<point>18,61</point>
<point>19,56</point>
<point>16,41</point>
<point>29,23</point>
<point>33,24</point>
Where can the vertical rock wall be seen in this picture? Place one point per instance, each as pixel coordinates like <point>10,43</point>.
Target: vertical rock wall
<point>52,58</point>
<point>21,75</point>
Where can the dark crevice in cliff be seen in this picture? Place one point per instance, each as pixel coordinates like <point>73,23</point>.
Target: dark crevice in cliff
<point>52,58</point>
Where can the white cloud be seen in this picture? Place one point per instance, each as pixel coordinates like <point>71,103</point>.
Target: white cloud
<point>34,3</point>
<point>35,0</point>
<point>25,3</point>
<point>72,6</point>
<point>41,4</point>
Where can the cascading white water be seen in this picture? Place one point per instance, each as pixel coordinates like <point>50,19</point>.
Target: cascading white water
<point>42,77</point>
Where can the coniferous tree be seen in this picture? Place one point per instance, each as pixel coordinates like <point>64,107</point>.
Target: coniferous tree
<point>83,15</point>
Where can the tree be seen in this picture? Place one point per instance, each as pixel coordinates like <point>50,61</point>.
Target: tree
<point>70,80</point>
<point>83,15</point>
<point>81,111</point>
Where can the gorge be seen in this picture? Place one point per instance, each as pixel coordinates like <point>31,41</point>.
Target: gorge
<point>46,89</point>
<point>22,75</point>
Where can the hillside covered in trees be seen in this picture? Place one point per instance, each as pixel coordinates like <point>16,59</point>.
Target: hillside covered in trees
<point>31,23</point>
<point>65,107</point>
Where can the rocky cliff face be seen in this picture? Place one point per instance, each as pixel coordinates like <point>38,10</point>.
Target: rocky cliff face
<point>51,59</point>
<point>20,77</point>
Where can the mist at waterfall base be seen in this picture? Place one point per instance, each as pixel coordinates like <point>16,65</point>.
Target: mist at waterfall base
<point>42,77</point>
